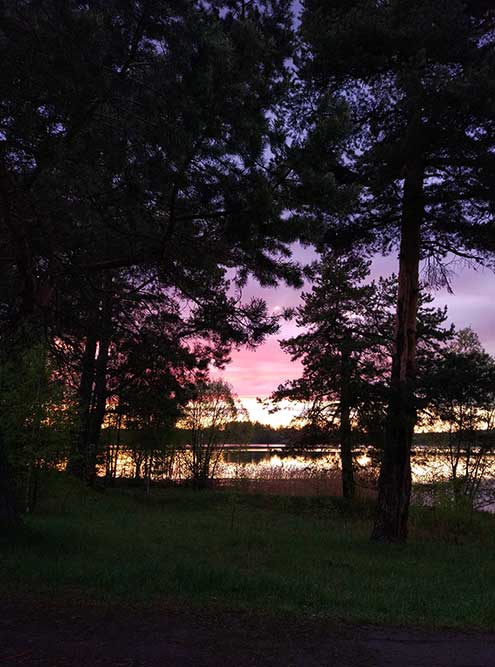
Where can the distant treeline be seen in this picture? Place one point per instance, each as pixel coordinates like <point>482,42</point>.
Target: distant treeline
<point>257,433</point>
<point>436,439</point>
<point>236,433</point>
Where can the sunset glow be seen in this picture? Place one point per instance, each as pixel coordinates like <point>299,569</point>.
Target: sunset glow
<point>257,373</point>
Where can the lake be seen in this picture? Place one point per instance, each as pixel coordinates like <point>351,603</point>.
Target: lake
<point>273,469</point>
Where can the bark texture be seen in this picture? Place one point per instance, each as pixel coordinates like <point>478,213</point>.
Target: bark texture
<point>395,475</point>
<point>92,397</point>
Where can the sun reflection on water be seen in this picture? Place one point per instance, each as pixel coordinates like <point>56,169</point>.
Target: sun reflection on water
<point>270,464</point>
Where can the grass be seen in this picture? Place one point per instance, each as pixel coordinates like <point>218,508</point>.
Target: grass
<point>304,556</point>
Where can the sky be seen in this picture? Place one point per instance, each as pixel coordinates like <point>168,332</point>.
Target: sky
<point>256,373</point>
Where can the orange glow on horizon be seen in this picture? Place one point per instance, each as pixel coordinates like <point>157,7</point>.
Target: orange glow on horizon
<point>259,413</point>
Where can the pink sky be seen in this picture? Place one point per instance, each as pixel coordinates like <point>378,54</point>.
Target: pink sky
<point>257,373</point>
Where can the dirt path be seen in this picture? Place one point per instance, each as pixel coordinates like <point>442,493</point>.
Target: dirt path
<point>60,636</point>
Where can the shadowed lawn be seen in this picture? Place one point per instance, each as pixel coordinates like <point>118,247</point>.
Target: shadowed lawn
<point>306,556</point>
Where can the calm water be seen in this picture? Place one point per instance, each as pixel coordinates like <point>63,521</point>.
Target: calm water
<point>269,468</point>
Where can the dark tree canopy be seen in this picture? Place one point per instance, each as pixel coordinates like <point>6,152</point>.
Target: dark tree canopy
<point>417,81</point>
<point>136,134</point>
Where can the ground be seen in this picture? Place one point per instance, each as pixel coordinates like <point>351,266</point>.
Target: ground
<point>178,577</point>
<point>63,636</point>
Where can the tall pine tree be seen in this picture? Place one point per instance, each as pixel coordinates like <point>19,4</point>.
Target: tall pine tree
<point>417,77</point>
<point>346,346</point>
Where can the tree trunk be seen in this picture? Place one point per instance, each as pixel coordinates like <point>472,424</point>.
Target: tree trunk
<point>112,453</point>
<point>116,452</point>
<point>98,409</point>
<point>78,457</point>
<point>348,484</point>
<point>394,491</point>
<point>93,392</point>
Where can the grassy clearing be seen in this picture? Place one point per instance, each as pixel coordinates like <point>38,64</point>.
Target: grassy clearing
<point>306,556</point>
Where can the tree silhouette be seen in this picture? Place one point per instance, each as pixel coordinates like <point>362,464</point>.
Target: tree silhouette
<point>135,143</point>
<point>415,77</point>
<point>346,346</point>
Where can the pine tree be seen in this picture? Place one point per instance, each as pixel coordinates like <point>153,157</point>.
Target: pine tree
<point>416,77</point>
<point>346,348</point>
